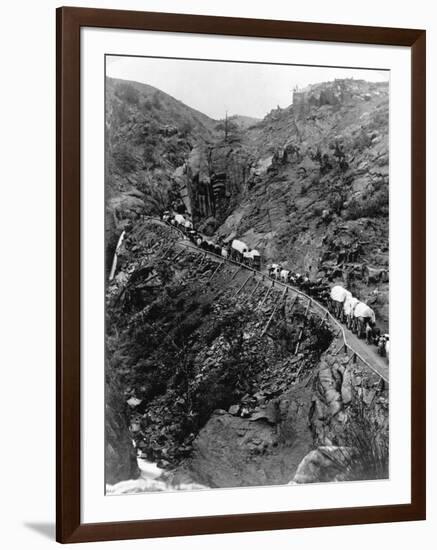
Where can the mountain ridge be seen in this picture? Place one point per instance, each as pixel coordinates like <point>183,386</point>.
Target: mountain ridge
<point>307,184</point>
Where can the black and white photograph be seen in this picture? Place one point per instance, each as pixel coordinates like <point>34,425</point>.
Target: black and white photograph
<point>246,274</point>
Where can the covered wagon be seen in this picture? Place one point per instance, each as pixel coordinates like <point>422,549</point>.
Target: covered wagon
<point>364,319</point>
<point>348,310</point>
<point>238,248</point>
<point>338,296</point>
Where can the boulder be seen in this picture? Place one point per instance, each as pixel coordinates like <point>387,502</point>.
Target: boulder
<point>346,386</point>
<point>324,464</point>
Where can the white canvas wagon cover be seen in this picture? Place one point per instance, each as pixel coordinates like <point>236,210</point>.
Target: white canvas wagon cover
<point>350,304</point>
<point>364,311</point>
<point>240,246</point>
<point>252,254</point>
<point>339,294</point>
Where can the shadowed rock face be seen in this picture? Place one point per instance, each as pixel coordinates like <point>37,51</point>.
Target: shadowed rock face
<point>120,456</point>
<point>265,449</point>
<point>300,437</point>
<point>324,464</point>
<point>293,404</point>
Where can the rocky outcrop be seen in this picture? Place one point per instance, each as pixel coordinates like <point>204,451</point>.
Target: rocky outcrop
<point>120,455</point>
<point>305,435</point>
<point>339,386</point>
<point>324,464</point>
<point>322,205</point>
<point>264,449</point>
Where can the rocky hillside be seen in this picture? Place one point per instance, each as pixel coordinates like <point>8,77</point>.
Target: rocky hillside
<point>307,185</point>
<point>193,379</point>
<point>213,397</point>
<point>149,134</point>
<point>318,200</point>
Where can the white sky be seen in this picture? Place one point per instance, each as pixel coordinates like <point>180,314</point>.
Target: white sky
<point>214,87</point>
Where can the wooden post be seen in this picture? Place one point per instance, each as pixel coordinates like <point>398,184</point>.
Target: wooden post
<point>165,253</point>
<point>269,320</point>
<point>308,307</point>
<point>264,299</point>
<point>303,326</point>
<point>150,278</point>
<point>202,259</point>
<point>299,369</point>
<point>292,304</point>
<point>298,341</point>
<point>339,349</point>
<point>274,311</point>
<point>177,255</point>
<point>244,284</point>
<point>235,274</point>
<point>254,290</point>
<point>216,270</point>
<point>323,318</point>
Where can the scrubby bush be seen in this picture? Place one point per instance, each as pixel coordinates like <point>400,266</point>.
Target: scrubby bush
<point>146,105</point>
<point>156,102</point>
<point>128,93</point>
<point>369,206</point>
<point>235,374</point>
<point>209,226</point>
<point>151,157</point>
<point>120,112</point>
<point>336,201</point>
<point>368,438</point>
<point>362,141</point>
<point>185,128</point>
<point>124,158</point>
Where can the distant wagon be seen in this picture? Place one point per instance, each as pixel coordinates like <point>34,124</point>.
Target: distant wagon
<point>192,235</point>
<point>255,259</point>
<point>348,309</point>
<point>252,258</point>
<point>338,297</point>
<point>364,317</point>
<point>275,270</point>
<point>179,220</point>
<point>238,248</point>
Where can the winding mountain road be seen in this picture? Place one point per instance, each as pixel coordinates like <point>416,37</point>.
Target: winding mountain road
<point>358,349</point>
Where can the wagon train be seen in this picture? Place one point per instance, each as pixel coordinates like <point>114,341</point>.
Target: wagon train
<point>349,310</point>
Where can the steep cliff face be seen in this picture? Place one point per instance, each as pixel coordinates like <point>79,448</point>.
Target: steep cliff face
<point>181,347</point>
<point>120,455</point>
<point>317,200</point>
<point>335,410</point>
<point>149,135</point>
<point>307,185</point>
